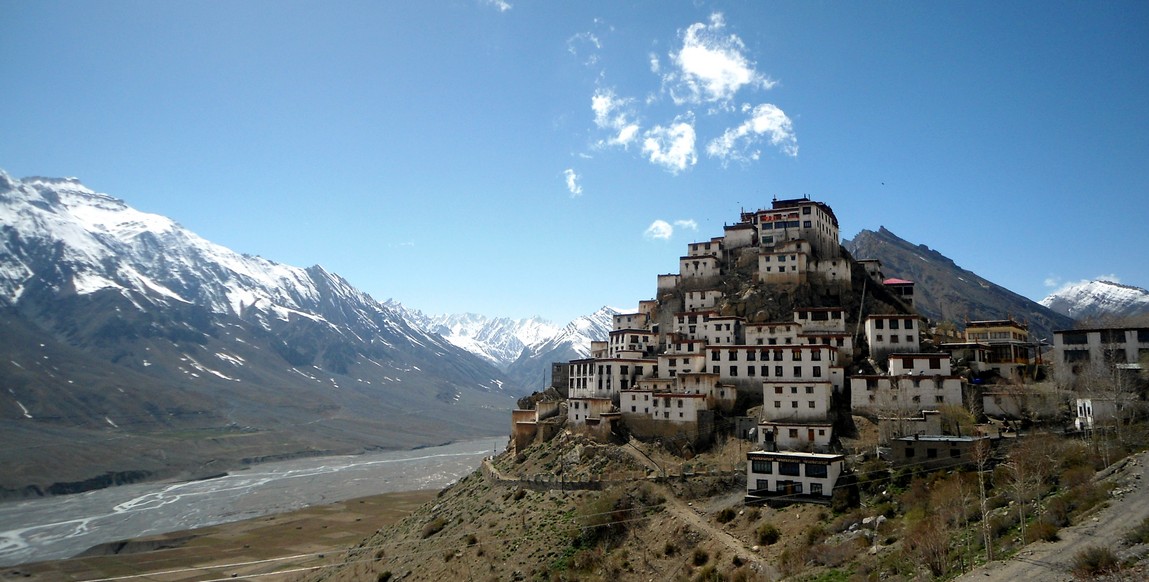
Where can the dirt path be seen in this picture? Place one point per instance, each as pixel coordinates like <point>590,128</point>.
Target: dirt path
<point>1052,560</point>
<point>698,521</point>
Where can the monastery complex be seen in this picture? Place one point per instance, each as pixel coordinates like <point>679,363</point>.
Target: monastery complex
<point>774,334</point>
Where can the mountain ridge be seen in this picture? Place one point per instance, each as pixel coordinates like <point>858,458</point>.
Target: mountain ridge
<point>946,291</point>
<point>1099,298</point>
<point>121,323</point>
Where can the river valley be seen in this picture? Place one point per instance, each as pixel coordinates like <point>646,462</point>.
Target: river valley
<point>59,527</point>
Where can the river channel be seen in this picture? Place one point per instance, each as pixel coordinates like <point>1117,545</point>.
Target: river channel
<point>60,527</point>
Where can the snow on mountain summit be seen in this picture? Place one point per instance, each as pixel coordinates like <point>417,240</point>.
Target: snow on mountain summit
<point>1098,299</point>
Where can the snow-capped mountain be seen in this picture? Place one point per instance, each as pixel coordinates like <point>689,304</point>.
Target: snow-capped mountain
<point>115,317</point>
<point>1099,299</point>
<point>533,366</point>
<point>499,340</point>
<point>524,348</point>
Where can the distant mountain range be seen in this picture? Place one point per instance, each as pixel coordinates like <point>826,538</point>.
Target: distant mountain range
<point>524,349</point>
<point>1099,300</point>
<point>132,346</point>
<point>943,291</point>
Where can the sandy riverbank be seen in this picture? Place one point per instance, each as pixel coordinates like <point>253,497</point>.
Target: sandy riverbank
<point>267,548</point>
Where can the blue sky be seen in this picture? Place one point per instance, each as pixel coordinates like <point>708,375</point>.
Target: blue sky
<point>526,158</point>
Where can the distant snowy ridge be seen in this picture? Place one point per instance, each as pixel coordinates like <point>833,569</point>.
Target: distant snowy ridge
<point>1092,299</point>
<point>503,341</point>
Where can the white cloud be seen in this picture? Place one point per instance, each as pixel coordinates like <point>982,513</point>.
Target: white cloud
<point>659,230</point>
<point>572,180</point>
<point>585,44</point>
<point>765,120</point>
<point>688,224</point>
<point>671,147</point>
<point>614,113</point>
<point>500,5</point>
<point>655,65</point>
<point>711,66</point>
<point>1052,281</point>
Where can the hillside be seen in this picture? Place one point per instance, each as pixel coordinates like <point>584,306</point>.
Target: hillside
<point>133,349</point>
<point>945,291</point>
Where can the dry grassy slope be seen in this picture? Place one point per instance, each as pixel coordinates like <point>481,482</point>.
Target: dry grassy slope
<point>481,530</point>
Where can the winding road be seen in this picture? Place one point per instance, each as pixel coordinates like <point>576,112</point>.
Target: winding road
<point>1051,561</point>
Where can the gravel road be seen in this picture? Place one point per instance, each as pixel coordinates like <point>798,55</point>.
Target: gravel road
<point>1051,561</point>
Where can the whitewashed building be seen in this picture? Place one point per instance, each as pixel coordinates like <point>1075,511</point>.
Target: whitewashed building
<point>794,475</point>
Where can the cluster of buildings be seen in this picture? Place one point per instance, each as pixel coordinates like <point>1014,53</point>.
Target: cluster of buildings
<point>688,364</point>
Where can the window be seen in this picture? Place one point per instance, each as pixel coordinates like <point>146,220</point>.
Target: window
<point>793,404</point>
<point>750,355</point>
<point>777,355</point>
<point>714,357</point>
<point>811,403</point>
<point>797,371</point>
<point>793,435</point>
<point>778,371</point>
<point>777,389</point>
<point>819,471</point>
<point>750,371</point>
<point>714,370</point>
<point>931,453</point>
<point>806,224</point>
<point>909,339</point>
<point>732,355</point>
<point>634,409</point>
<point>894,339</point>
<point>762,466</point>
<point>809,390</point>
<point>893,324</point>
<point>733,371</point>
<point>816,355</point>
<point>796,355</point>
<point>765,371</point>
<point>777,404</point>
<point>680,403</point>
<point>909,452</point>
<point>879,324</point>
<point>880,338</point>
<point>815,489</point>
<point>817,371</point>
<point>955,453</point>
<point>789,468</point>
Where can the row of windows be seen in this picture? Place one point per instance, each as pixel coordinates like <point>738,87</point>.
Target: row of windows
<point>795,355</point>
<point>939,399</point>
<point>794,404</point>
<point>816,371</point>
<point>788,487</point>
<point>789,468</point>
<point>894,339</point>
<point>880,323</point>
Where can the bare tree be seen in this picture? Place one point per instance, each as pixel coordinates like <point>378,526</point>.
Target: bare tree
<point>982,452</point>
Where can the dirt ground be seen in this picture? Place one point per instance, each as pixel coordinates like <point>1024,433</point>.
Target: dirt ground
<point>267,549</point>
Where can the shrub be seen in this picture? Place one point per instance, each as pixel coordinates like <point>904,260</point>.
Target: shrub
<point>1139,534</point>
<point>768,534</point>
<point>1043,530</point>
<point>670,549</point>
<point>700,557</point>
<point>519,494</point>
<point>384,576</point>
<point>433,527</point>
<point>726,515</point>
<point>1093,561</point>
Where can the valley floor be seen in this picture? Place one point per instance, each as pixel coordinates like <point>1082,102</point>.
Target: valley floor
<point>268,548</point>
